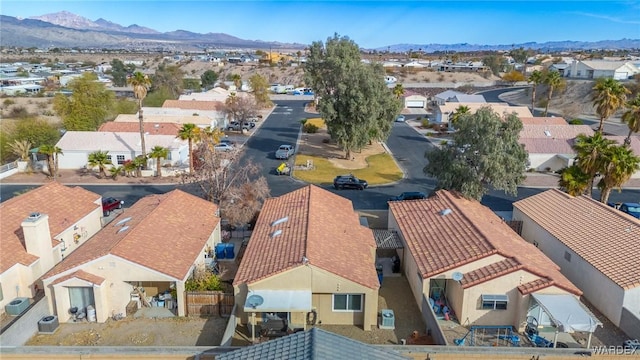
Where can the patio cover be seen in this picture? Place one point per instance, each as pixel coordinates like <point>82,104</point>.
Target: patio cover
<point>280,301</point>
<point>567,313</point>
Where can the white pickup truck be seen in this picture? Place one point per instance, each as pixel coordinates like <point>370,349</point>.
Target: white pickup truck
<point>284,152</point>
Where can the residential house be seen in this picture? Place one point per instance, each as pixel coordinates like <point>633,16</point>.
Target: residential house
<point>315,344</point>
<point>214,110</point>
<point>466,98</point>
<point>414,64</point>
<point>172,117</point>
<point>216,94</point>
<point>593,69</point>
<point>149,128</point>
<point>40,228</point>
<point>460,254</point>
<point>550,120</point>
<point>443,112</point>
<point>148,250</point>
<point>596,246</point>
<point>309,260</point>
<point>634,145</point>
<point>472,66</point>
<point>550,146</point>
<point>121,147</point>
<point>446,96</point>
<point>413,99</point>
<point>563,68</point>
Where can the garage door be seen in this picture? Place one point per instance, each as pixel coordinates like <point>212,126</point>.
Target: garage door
<point>415,104</point>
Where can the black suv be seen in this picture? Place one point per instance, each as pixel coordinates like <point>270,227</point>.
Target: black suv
<point>412,195</point>
<point>349,182</point>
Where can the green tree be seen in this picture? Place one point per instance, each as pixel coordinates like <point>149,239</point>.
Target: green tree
<point>398,91</point>
<point>208,79</point>
<point>354,100</point>
<point>495,63</point>
<point>118,73</point>
<point>99,159</point>
<point>189,132</point>
<point>574,181</point>
<point>460,111</point>
<point>553,80</point>
<point>169,78</point>
<point>35,130</point>
<point>260,87</point>
<point>124,106</point>
<point>141,84</point>
<point>116,171</point>
<point>87,107</point>
<point>631,117</point>
<point>237,81</point>
<point>485,153</point>
<point>157,97</point>
<point>536,78</point>
<point>513,76</point>
<point>608,96</point>
<point>159,153</point>
<point>191,84</point>
<point>520,56</point>
<point>589,155</point>
<point>618,164</point>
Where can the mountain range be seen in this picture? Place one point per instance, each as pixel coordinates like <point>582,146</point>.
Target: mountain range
<point>68,30</point>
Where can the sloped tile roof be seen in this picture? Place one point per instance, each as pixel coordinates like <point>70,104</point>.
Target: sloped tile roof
<point>634,145</point>
<point>321,226</point>
<point>547,145</point>
<point>82,275</point>
<point>64,205</point>
<point>550,120</point>
<point>387,239</point>
<point>314,344</point>
<point>606,238</point>
<point>114,141</point>
<point>151,128</point>
<point>500,108</point>
<point>554,131</point>
<point>608,65</point>
<point>162,233</point>
<point>178,119</point>
<point>535,285</point>
<point>489,272</point>
<point>194,105</point>
<point>469,232</point>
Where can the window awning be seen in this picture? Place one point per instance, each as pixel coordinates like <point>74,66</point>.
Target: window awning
<point>278,301</point>
<point>567,313</point>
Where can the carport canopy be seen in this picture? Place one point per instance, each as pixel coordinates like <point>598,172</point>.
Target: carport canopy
<point>278,301</point>
<point>567,313</point>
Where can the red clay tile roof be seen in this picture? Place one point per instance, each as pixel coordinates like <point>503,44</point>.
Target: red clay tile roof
<point>554,131</point>
<point>321,226</point>
<point>194,105</point>
<point>547,145</point>
<point>469,232</point>
<point>151,128</point>
<point>163,234</point>
<point>489,272</point>
<point>603,236</point>
<point>64,205</point>
<point>82,275</point>
<point>543,121</point>
<point>535,285</point>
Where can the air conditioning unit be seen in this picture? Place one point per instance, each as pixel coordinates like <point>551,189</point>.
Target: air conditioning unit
<point>17,306</point>
<point>48,324</point>
<point>387,320</point>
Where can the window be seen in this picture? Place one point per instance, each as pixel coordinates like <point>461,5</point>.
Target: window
<point>494,302</point>
<point>347,302</point>
<point>120,159</point>
<point>567,256</point>
<point>109,157</point>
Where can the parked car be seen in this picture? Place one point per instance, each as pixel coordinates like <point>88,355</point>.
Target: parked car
<point>410,195</point>
<point>109,204</point>
<point>250,124</point>
<point>349,182</point>
<point>223,147</point>
<point>400,118</point>
<point>630,208</point>
<point>227,141</point>
<point>235,126</point>
<point>284,152</point>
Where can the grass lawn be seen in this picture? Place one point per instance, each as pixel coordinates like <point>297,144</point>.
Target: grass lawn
<point>319,122</point>
<point>381,169</point>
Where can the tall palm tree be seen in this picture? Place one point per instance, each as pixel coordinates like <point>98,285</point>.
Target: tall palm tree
<point>461,110</point>
<point>589,157</point>
<point>48,151</point>
<point>141,84</point>
<point>398,91</point>
<point>632,118</point>
<point>574,181</point>
<point>536,79</point>
<point>553,80</point>
<point>608,96</point>
<point>619,164</point>
<point>210,136</point>
<point>100,160</point>
<point>189,132</point>
<point>158,153</point>
<point>56,155</point>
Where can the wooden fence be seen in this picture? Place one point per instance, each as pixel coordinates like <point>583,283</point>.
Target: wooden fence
<point>209,303</point>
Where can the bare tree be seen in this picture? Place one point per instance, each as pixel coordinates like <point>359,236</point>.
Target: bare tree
<point>240,108</point>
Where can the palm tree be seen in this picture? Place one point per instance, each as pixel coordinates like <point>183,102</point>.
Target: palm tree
<point>48,151</point>
<point>141,84</point>
<point>158,153</point>
<point>609,95</point>
<point>632,118</point>
<point>553,80</point>
<point>189,132</point>
<point>619,164</point>
<point>237,81</point>
<point>99,159</point>
<point>589,151</point>
<point>210,136</point>
<point>574,181</point>
<point>129,168</point>
<point>21,149</point>
<point>536,79</point>
<point>461,110</point>
<point>56,153</point>
<point>398,91</point>
<point>115,171</point>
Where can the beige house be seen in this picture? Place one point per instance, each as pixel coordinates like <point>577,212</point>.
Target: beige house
<point>308,261</point>
<point>145,253</point>
<point>40,228</point>
<point>597,247</point>
<point>201,121</point>
<point>550,145</point>
<point>459,254</point>
<point>444,111</point>
<point>414,100</point>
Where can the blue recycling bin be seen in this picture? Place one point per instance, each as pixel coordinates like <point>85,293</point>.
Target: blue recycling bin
<point>220,250</point>
<point>230,250</point>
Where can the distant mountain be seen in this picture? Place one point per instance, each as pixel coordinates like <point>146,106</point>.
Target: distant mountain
<point>551,46</point>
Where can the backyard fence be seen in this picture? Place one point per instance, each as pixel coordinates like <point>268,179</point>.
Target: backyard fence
<point>209,303</point>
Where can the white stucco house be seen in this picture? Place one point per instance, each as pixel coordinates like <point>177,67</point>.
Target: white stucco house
<point>443,112</point>
<point>414,100</point>
<point>550,146</point>
<point>596,246</point>
<point>593,69</point>
<point>121,147</point>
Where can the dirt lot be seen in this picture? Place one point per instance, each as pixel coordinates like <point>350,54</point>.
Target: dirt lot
<point>174,331</point>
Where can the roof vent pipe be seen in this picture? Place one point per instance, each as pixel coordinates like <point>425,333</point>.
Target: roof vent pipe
<point>445,212</point>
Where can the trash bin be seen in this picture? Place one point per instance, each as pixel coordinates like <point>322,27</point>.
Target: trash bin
<point>230,250</point>
<point>220,250</point>
<point>379,271</point>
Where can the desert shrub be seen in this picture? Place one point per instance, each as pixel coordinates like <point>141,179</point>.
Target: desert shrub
<point>425,123</point>
<point>8,102</point>
<point>443,142</point>
<point>48,113</point>
<point>310,128</point>
<point>19,112</point>
<point>303,121</point>
<point>203,280</point>
<point>576,122</point>
<point>441,77</point>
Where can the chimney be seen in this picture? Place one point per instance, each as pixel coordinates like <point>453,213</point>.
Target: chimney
<point>37,238</point>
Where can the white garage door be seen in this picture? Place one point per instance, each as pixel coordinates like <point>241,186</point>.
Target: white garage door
<point>415,104</point>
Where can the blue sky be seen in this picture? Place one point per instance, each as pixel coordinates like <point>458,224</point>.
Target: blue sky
<point>370,24</point>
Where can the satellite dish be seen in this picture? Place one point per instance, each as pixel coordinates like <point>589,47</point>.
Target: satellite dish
<point>457,276</point>
<point>255,301</point>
